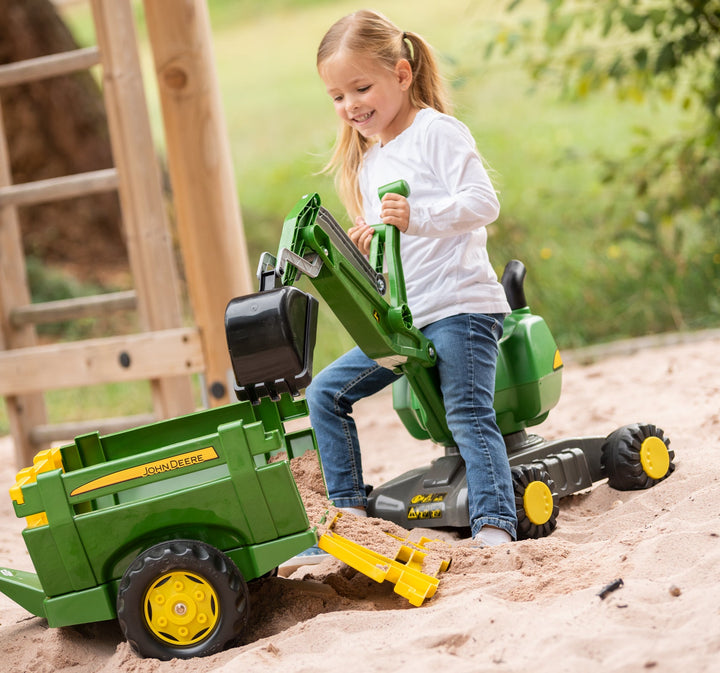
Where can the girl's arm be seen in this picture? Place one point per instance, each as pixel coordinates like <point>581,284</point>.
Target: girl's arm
<point>470,201</point>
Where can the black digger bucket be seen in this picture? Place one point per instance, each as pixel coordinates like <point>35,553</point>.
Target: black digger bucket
<point>271,338</point>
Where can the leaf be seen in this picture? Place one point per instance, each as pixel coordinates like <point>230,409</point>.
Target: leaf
<point>633,22</point>
<point>641,58</point>
<point>657,17</point>
<point>618,69</point>
<point>607,24</point>
<point>588,63</point>
<point>557,29</point>
<point>666,59</point>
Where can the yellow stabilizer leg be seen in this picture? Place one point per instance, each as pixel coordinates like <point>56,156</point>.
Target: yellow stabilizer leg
<point>410,582</point>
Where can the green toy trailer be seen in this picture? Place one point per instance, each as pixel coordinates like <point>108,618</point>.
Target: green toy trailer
<point>372,307</point>
<point>163,525</point>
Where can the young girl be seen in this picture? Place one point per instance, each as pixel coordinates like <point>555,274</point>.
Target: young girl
<point>388,93</point>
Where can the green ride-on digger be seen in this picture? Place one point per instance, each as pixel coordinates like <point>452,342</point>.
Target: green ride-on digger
<point>368,297</point>
<point>163,526</point>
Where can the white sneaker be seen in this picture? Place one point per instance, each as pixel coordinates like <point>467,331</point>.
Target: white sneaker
<point>310,557</point>
<point>490,536</point>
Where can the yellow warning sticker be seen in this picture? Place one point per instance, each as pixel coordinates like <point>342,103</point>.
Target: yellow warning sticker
<point>426,506</point>
<point>426,511</point>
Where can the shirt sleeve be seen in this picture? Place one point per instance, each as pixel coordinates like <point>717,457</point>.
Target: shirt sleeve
<point>468,200</point>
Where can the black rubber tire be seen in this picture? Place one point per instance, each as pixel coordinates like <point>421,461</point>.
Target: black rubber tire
<point>621,462</point>
<point>178,556</point>
<point>523,476</point>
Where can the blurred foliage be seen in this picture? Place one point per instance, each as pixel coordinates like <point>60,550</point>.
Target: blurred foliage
<point>662,48</point>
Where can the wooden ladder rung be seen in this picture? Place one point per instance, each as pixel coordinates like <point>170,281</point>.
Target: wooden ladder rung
<point>45,434</point>
<point>44,67</point>
<point>72,309</point>
<point>63,187</point>
<point>74,364</point>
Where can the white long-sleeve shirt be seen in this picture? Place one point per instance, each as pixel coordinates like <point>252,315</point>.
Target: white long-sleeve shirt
<point>444,255</point>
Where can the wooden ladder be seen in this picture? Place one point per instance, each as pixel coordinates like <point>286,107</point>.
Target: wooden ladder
<point>165,352</point>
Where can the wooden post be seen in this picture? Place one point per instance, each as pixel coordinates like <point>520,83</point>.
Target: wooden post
<point>24,411</point>
<point>208,214</point>
<point>148,237</point>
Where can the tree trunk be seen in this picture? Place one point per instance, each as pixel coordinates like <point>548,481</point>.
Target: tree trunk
<point>57,127</point>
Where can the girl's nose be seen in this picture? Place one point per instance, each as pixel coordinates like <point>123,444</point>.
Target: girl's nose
<point>350,104</point>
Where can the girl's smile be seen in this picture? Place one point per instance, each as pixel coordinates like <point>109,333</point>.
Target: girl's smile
<point>372,99</point>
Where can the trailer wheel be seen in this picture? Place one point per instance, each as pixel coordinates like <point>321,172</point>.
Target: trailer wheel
<point>536,502</point>
<point>181,599</point>
<point>636,457</point>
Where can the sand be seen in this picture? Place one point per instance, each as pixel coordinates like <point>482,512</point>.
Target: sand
<point>531,605</point>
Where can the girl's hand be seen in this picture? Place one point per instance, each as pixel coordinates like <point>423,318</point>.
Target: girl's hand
<point>395,210</point>
<point>360,234</point>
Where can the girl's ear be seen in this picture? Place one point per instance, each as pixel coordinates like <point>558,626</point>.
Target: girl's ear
<point>403,72</point>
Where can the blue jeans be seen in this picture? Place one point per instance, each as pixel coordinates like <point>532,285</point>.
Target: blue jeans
<point>467,349</point>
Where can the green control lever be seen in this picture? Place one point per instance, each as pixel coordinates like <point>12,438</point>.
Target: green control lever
<point>387,237</point>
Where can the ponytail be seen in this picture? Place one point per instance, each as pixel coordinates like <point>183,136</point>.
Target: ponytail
<point>427,88</point>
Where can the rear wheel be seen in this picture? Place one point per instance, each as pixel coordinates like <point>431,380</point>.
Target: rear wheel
<point>636,457</point>
<point>181,599</point>
<point>536,502</point>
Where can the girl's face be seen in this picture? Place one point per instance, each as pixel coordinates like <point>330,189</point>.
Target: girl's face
<point>372,99</point>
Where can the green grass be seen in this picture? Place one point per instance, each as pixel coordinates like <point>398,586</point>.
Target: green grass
<point>589,284</point>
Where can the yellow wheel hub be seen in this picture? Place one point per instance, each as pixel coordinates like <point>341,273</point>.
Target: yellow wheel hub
<point>181,608</point>
<point>538,502</point>
<point>654,457</point>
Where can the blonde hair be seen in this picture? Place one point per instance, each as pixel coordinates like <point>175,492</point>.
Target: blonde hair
<point>369,33</point>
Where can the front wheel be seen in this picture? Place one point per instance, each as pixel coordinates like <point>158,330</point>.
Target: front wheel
<point>536,502</point>
<point>636,457</point>
<point>181,599</point>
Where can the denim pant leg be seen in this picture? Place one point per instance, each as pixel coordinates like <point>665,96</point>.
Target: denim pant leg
<point>467,348</point>
<point>330,398</point>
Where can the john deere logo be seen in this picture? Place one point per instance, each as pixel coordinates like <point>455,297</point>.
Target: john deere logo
<point>149,469</point>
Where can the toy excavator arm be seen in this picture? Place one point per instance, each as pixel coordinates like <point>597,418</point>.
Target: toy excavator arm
<point>314,243</point>
<point>356,290</point>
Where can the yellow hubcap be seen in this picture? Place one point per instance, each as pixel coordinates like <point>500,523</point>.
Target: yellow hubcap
<point>654,457</point>
<point>538,502</point>
<point>181,608</point>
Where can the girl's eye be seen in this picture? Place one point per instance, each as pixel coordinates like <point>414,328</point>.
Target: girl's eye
<point>363,89</point>
<point>337,99</point>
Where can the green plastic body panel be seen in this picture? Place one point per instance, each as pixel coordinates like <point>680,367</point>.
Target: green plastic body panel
<point>205,476</point>
<point>528,380</point>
